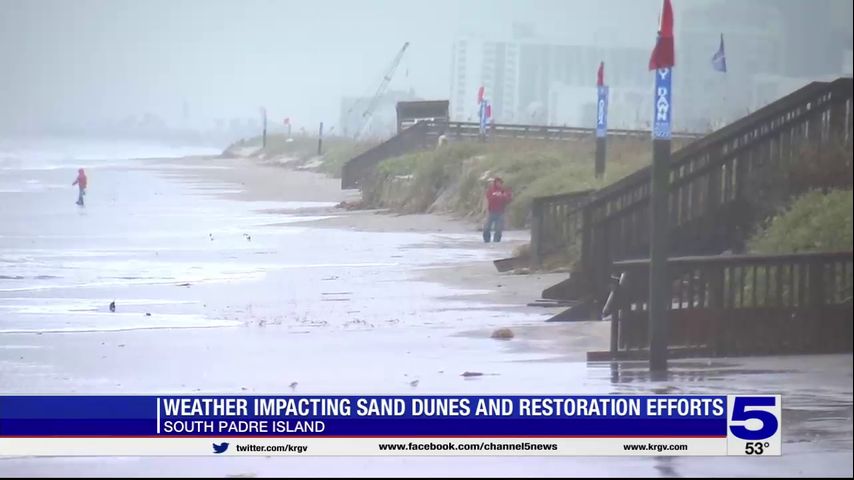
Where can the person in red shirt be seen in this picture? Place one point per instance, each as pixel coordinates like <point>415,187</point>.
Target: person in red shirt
<point>81,183</point>
<point>497,198</point>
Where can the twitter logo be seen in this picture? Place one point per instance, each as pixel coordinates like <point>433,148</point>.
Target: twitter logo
<point>221,448</point>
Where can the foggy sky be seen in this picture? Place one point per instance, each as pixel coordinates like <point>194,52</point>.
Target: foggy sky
<point>81,61</point>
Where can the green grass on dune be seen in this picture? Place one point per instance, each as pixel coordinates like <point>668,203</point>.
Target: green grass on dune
<point>453,178</point>
<point>814,222</point>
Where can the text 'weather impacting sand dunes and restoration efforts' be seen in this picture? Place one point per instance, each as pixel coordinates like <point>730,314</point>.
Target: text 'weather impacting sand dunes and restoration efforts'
<point>390,425</point>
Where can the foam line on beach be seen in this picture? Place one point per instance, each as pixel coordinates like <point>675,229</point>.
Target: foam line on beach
<point>124,328</point>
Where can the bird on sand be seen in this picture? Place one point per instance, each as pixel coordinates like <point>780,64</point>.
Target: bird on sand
<point>113,306</point>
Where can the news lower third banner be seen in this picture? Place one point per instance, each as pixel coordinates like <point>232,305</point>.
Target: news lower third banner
<point>607,425</point>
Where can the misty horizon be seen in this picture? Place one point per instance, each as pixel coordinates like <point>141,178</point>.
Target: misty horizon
<point>189,63</point>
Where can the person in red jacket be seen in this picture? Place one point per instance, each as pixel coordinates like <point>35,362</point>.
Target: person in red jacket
<point>497,198</point>
<point>81,183</point>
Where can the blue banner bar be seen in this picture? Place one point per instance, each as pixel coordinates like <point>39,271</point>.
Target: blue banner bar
<point>365,416</point>
<point>661,124</point>
<point>602,111</point>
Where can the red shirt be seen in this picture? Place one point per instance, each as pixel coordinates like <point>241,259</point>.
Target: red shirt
<point>81,180</point>
<point>497,198</point>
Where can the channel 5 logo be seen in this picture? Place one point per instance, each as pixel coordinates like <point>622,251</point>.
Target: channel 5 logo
<point>753,408</point>
<point>754,424</point>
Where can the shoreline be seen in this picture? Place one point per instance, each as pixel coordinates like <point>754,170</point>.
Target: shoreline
<point>262,181</point>
<point>448,232</point>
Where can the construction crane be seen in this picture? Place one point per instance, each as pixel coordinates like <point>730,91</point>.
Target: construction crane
<point>368,114</point>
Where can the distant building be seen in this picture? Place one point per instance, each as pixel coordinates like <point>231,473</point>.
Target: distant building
<point>630,106</point>
<point>467,66</point>
<point>501,77</point>
<point>754,43</point>
<point>530,81</point>
<point>495,65</point>
<point>772,48</point>
<point>816,34</point>
<point>572,95</point>
<point>770,45</point>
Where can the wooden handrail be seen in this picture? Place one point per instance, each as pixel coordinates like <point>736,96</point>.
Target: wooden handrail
<point>538,130</point>
<point>739,259</point>
<point>735,129</point>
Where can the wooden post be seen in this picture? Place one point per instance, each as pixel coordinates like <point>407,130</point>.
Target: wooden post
<point>837,113</point>
<point>320,140</point>
<point>600,157</point>
<point>264,133</point>
<point>716,305</point>
<point>816,283</point>
<point>617,312</point>
<point>601,128</point>
<point>586,245</point>
<point>713,198</point>
<point>615,331</point>
<point>659,278</point>
<point>536,232</point>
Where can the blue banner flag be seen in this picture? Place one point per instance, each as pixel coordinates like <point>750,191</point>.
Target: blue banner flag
<point>719,58</point>
<point>661,125</point>
<point>602,111</point>
<point>485,114</point>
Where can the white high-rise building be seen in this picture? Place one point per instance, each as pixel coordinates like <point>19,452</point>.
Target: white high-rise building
<point>466,58</point>
<point>500,74</point>
<point>493,65</point>
<point>530,81</point>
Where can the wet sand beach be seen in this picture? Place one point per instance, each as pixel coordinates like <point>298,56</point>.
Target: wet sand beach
<point>231,276</point>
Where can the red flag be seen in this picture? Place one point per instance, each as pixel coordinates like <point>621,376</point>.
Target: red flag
<point>600,75</point>
<point>480,94</point>
<point>663,55</point>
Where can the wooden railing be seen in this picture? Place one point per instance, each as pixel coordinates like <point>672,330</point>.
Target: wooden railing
<point>471,130</point>
<point>742,304</point>
<point>708,211</point>
<point>553,227</point>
